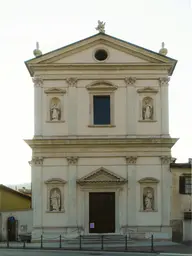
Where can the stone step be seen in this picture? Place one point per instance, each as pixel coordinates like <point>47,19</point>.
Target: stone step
<point>97,239</point>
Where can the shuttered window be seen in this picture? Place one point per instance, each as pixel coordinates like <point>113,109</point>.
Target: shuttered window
<point>185,184</point>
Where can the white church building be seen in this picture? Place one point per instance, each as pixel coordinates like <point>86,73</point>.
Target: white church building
<point>101,150</point>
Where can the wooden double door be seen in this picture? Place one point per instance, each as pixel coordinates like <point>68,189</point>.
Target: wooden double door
<point>102,212</point>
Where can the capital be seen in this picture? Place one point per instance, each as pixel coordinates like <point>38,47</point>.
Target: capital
<point>37,81</point>
<point>130,80</point>
<point>72,160</point>
<point>72,81</point>
<point>131,159</point>
<point>164,80</point>
<point>165,159</point>
<point>36,161</point>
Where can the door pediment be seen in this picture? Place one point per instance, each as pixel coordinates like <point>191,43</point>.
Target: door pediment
<point>101,176</point>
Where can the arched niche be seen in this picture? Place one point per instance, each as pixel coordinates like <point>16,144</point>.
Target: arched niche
<point>148,194</point>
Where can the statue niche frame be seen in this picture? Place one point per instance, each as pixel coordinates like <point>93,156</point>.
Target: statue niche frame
<point>55,102</point>
<point>52,185</point>
<point>149,184</point>
<point>147,94</point>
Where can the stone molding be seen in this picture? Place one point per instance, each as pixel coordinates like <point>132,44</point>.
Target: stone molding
<point>131,159</point>
<point>37,81</point>
<point>37,161</point>
<point>165,160</point>
<point>72,160</point>
<point>55,91</point>
<point>164,80</point>
<point>148,90</point>
<point>101,85</point>
<point>148,180</point>
<point>100,143</point>
<point>71,81</point>
<point>130,80</point>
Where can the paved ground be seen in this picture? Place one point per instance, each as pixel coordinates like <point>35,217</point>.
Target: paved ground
<point>32,252</point>
<point>18,252</point>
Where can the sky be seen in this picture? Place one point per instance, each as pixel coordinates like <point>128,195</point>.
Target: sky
<point>54,24</point>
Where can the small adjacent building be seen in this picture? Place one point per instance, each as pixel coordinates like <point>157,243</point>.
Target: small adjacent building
<point>181,210</point>
<point>15,213</point>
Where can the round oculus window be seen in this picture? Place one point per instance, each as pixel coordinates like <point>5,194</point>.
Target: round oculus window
<point>101,55</point>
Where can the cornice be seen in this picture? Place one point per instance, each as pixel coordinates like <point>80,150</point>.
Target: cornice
<point>94,66</point>
<point>108,143</point>
<point>105,77</point>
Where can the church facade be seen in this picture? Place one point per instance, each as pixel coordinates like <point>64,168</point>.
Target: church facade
<point>101,150</point>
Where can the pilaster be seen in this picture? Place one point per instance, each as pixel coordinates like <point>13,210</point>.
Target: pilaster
<point>131,111</point>
<point>132,198</point>
<point>72,105</point>
<point>38,84</point>
<point>166,183</point>
<point>37,190</point>
<point>72,191</point>
<point>164,82</point>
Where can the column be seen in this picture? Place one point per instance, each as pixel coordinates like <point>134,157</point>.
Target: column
<point>38,101</point>
<point>72,191</point>
<point>72,105</point>
<point>132,195</point>
<point>166,184</point>
<point>131,108</point>
<point>37,192</point>
<point>164,82</point>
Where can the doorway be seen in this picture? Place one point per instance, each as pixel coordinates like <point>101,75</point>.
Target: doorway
<point>11,229</point>
<point>102,212</point>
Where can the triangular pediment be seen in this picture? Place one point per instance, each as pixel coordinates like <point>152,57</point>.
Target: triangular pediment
<point>82,52</point>
<point>101,175</point>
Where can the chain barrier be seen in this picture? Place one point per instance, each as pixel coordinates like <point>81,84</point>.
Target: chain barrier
<point>83,242</point>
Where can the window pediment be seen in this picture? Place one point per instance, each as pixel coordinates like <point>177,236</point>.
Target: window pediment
<point>148,180</point>
<point>55,91</point>
<point>101,175</point>
<point>101,86</point>
<point>55,181</point>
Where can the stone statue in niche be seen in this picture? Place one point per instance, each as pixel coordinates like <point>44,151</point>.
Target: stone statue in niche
<point>55,110</point>
<point>148,199</point>
<point>147,109</point>
<point>55,200</point>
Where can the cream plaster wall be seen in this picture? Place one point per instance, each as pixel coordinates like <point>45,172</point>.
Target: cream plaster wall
<point>128,212</point>
<point>51,163</point>
<point>127,111</point>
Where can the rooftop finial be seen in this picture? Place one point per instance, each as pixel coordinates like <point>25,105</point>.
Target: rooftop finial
<point>37,52</point>
<point>100,27</point>
<point>163,50</point>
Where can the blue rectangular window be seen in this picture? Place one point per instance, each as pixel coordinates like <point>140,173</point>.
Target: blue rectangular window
<point>101,110</point>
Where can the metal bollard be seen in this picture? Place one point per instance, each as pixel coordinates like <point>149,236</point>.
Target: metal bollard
<point>152,243</point>
<point>60,245</point>
<point>41,241</point>
<point>80,243</point>
<point>102,238</point>
<point>126,243</point>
